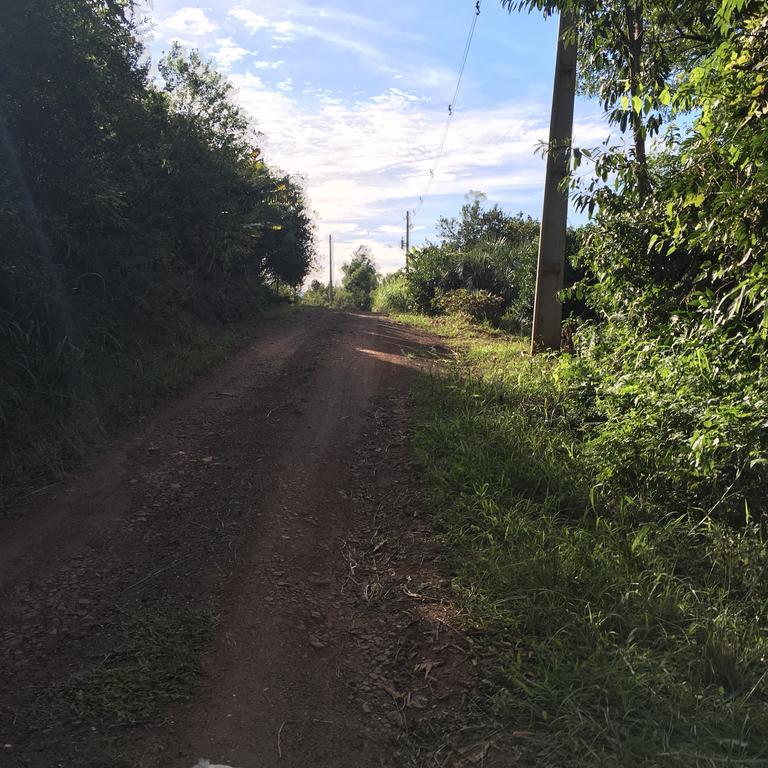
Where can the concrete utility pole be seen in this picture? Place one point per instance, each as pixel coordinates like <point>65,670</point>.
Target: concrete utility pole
<point>407,238</point>
<point>330,275</point>
<point>547,310</point>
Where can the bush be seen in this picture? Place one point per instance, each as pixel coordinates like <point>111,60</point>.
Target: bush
<point>360,279</point>
<point>344,300</point>
<point>316,295</point>
<point>480,306</point>
<point>393,295</point>
<point>623,637</point>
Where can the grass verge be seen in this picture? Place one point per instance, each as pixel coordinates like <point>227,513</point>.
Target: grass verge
<point>122,388</point>
<point>156,662</point>
<point>639,634</point>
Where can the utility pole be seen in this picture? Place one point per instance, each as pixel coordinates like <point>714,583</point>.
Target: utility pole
<point>330,276</point>
<point>407,238</point>
<point>547,310</point>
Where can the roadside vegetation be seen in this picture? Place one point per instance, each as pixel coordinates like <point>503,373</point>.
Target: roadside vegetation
<point>605,510</point>
<point>633,633</point>
<point>139,228</point>
<point>358,285</point>
<point>483,267</point>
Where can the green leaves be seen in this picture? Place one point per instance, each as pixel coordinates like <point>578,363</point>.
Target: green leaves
<point>150,202</point>
<point>677,365</point>
<point>360,278</point>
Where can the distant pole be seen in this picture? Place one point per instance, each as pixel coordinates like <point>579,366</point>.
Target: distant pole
<point>330,276</point>
<point>547,310</point>
<point>407,238</point>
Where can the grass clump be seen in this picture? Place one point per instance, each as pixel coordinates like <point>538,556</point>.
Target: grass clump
<point>121,387</point>
<point>392,295</point>
<point>155,662</point>
<point>639,632</point>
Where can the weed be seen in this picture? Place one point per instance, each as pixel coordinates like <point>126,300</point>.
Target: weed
<point>124,386</point>
<point>639,633</point>
<point>155,661</point>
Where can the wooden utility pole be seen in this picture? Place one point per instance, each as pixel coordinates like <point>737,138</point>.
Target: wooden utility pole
<point>330,275</point>
<point>407,238</point>
<point>547,310</point>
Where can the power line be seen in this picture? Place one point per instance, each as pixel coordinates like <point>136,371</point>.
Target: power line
<point>451,108</point>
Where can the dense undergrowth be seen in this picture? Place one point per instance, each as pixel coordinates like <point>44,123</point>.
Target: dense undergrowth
<point>120,389</point>
<point>137,220</point>
<point>639,630</point>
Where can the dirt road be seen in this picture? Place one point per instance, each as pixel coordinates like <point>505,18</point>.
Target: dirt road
<point>244,581</point>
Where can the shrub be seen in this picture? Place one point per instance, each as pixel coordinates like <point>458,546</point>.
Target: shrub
<point>393,295</point>
<point>344,300</point>
<point>481,306</point>
<point>316,295</point>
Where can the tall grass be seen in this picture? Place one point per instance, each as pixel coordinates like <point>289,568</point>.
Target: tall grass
<point>639,634</point>
<point>119,389</point>
<point>392,296</point>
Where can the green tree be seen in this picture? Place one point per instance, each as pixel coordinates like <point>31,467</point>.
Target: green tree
<point>123,202</point>
<point>360,277</point>
<point>316,295</point>
<point>672,373</point>
<point>631,53</point>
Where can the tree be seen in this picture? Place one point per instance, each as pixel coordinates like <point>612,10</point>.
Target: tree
<point>673,368</point>
<point>316,295</point>
<point>360,277</point>
<point>630,54</point>
<point>476,224</point>
<point>123,201</point>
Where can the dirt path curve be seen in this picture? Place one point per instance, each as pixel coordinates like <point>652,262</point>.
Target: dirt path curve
<point>236,501</point>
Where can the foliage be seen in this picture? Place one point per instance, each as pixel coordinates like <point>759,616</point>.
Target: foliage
<point>392,295</point>
<point>316,295</point>
<point>623,637</point>
<point>344,300</point>
<point>478,305</point>
<point>630,53</point>
<point>487,250</point>
<point>672,378</point>
<point>482,250</point>
<point>360,278</point>
<point>125,204</point>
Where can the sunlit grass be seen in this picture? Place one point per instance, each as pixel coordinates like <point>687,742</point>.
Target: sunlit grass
<point>639,636</point>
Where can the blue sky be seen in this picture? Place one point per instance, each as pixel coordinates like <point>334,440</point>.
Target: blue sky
<point>353,97</point>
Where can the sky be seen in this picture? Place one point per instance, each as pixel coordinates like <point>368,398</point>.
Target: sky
<point>352,97</point>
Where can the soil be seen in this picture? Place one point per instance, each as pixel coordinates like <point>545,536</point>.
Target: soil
<point>269,520</point>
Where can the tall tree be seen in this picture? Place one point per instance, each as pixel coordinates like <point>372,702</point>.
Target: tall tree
<point>360,277</point>
<point>630,53</point>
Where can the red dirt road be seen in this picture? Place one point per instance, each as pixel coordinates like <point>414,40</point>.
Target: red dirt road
<point>251,499</point>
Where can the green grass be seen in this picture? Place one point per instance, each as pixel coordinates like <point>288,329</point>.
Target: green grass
<point>122,388</point>
<point>639,635</point>
<point>156,661</point>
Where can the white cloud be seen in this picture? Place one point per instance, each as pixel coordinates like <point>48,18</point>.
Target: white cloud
<point>253,21</point>
<point>188,21</point>
<point>283,30</point>
<point>365,162</point>
<point>228,53</point>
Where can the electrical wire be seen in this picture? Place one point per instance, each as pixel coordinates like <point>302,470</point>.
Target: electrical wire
<point>451,109</point>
